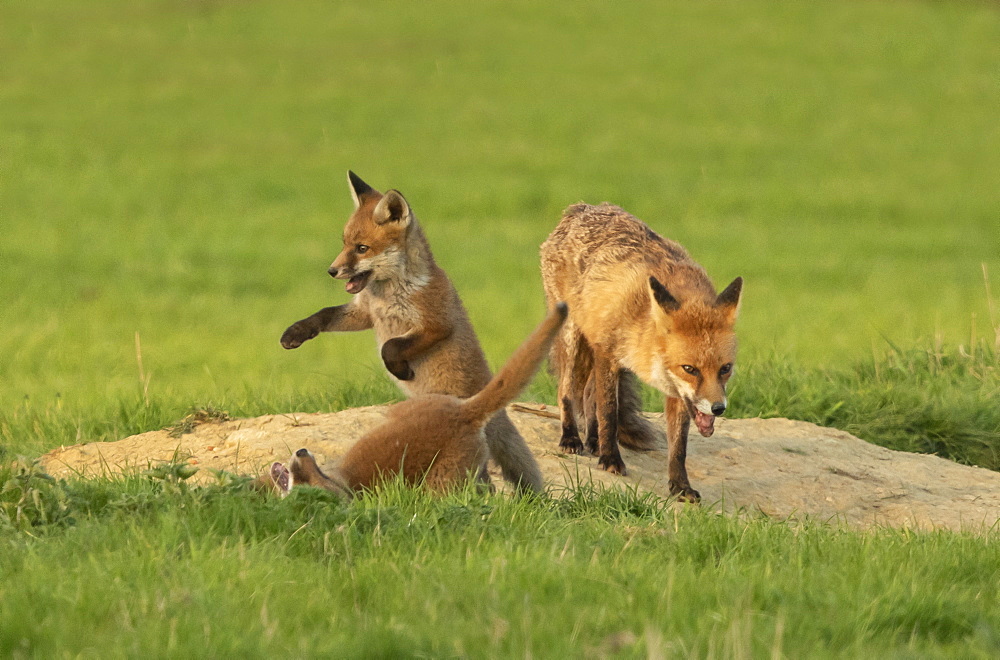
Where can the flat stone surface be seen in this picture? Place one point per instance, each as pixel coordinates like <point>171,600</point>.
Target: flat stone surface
<point>784,468</point>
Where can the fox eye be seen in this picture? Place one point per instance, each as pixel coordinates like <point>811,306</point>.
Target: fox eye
<point>361,249</point>
<point>725,369</point>
<point>689,369</point>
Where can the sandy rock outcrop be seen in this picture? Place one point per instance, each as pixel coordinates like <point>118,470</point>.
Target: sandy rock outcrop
<point>781,467</point>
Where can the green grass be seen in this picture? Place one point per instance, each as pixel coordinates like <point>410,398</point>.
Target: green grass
<point>176,170</point>
<point>171,192</point>
<point>152,568</point>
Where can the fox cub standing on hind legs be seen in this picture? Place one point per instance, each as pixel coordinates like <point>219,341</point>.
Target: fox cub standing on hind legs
<point>638,305</point>
<point>424,335</point>
<point>433,439</point>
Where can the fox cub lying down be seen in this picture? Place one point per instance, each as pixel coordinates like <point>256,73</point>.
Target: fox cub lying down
<point>435,439</point>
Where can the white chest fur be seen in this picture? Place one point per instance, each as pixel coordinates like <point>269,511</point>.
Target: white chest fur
<point>392,309</point>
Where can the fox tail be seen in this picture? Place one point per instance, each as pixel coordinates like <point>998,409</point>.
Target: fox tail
<point>519,370</point>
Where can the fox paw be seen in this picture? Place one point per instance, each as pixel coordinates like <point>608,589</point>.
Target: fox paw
<point>297,334</point>
<point>684,493</point>
<point>392,357</point>
<point>613,463</point>
<point>571,444</point>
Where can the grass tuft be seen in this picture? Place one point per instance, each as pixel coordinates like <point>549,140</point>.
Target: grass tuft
<point>195,418</point>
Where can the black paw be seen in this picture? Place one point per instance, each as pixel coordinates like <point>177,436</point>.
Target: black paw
<point>613,463</point>
<point>400,370</point>
<point>571,444</point>
<point>684,493</point>
<point>297,334</point>
<point>392,352</point>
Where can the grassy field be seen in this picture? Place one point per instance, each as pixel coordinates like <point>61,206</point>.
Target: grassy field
<point>172,189</point>
<point>151,569</point>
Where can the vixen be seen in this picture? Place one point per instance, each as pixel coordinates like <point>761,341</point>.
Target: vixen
<point>424,335</point>
<point>638,305</point>
<point>435,439</point>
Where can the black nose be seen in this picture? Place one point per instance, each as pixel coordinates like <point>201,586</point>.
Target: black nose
<point>302,453</point>
<point>332,271</point>
<point>718,408</point>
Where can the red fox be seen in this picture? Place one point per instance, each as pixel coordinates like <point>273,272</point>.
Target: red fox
<point>638,305</point>
<point>424,335</point>
<point>435,439</point>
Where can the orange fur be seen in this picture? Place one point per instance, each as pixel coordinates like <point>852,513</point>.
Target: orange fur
<point>640,305</point>
<point>433,439</point>
<point>424,335</point>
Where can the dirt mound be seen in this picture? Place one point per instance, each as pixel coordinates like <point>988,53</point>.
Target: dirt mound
<point>781,467</point>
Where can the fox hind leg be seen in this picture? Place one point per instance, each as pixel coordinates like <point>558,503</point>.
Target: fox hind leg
<point>606,400</point>
<point>590,415</point>
<point>563,357</point>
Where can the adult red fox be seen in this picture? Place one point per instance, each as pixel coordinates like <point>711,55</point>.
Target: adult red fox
<point>638,305</point>
<point>423,332</point>
<point>433,439</point>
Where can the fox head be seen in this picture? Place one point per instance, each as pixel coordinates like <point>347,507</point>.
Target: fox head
<point>695,349</point>
<point>374,237</point>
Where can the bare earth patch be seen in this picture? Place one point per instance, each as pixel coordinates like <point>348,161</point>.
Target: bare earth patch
<point>781,467</point>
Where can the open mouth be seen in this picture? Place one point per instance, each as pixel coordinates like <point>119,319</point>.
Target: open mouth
<point>280,477</point>
<point>705,423</point>
<point>357,283</point>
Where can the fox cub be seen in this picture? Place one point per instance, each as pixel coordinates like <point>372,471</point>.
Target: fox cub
<point>424,335</point>
<point>638,305</point>
<point>435,439</point>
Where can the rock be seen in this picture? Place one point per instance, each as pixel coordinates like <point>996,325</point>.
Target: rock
<point>783,468</point>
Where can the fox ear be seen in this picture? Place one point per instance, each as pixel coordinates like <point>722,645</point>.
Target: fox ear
<point>392,208</point>
<point>358,188</point>
<point>730,298</point>
<point>662,296</point>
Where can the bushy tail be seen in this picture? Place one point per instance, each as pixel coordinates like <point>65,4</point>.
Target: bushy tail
<point>519,370</point>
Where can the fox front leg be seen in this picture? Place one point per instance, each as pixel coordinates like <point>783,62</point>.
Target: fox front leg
<point>678,422</point>
<point>398,351</point>
<point>342,318</point>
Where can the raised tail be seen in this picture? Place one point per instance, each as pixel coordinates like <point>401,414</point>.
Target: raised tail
<point>519,370</point>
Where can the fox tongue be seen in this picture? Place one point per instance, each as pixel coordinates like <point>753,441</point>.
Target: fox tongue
<point>705,423</point>
<point>357,283</point>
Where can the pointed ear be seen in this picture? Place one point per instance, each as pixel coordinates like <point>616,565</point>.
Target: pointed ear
<point>392,208</point>
<point>662,296</point>
<point>730,298</point>
<point>358,188</point>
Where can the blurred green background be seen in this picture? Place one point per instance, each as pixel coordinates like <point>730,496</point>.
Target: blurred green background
<point>175,171</point>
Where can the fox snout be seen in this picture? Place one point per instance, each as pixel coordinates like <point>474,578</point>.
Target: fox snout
<point>704,411</point>
<point>340,270</point>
